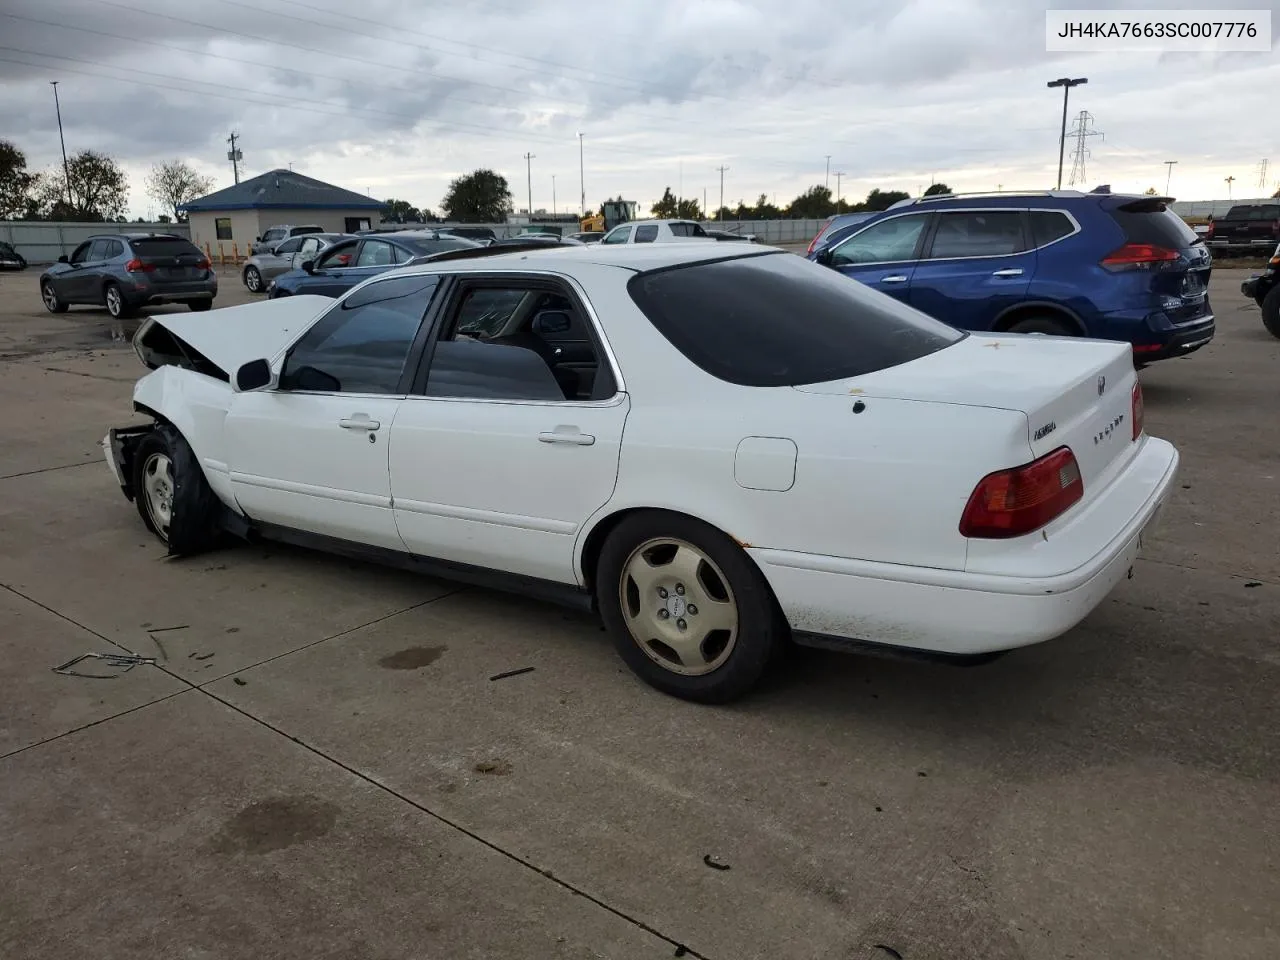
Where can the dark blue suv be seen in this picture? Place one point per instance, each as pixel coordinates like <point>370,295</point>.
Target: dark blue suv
<point>1102,265</point>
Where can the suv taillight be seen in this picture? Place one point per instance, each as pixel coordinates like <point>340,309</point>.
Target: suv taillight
<point>137,266</point>
<point>1209,235</point>
<point>204,264</point>
<point>1137,410</point>
<point>1014,502</point>
<point>813,243</point>
<point>1137,256</point>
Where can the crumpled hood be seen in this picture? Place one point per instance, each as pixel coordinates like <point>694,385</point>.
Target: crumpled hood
<point>231,336</point>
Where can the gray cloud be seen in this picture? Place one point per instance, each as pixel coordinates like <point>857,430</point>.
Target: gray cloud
<point>398,96</point>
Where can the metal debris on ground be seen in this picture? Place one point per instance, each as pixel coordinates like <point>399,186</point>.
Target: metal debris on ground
<point>512,673</point>
<point>124,661</point>
<point>715,864</point>
<point>889,950</point>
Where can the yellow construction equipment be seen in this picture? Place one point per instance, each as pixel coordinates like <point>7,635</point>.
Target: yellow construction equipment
<point>613,212</point>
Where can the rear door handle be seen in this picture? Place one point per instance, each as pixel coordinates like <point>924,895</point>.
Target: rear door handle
<point>570,435</point>
<point>896,278</point>
<point>358,423</point>
<point>1008,272</point>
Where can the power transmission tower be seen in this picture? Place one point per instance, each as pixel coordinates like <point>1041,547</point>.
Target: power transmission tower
<point>234,155</point>
<point>1262,174</point>
<point>1080,154</point>
<point>722,169</point>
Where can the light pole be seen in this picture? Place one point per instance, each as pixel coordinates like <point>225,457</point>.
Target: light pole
<point>582,180</point>
<point>553,196</point>
<point>528,169</point>
<point>839,174</point>
<point>1229,181</point>
<point>1168,179</point>
<point>66,170</point>
<point>827,181</point>
<point>1066,83</point>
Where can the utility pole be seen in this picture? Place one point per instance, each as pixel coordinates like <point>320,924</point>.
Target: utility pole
<point>1229,181</point>
<point>553,196</point>
<point>839,174</point>
<point>66,169</point>
<point>1262,174</point>
<point>582,180</point>
<point>827,181</point>
<point>234,155</point>
<point>1066,83</point>
<point>1168,178</point>
<point>1081,132</point>
<point>720,212</point>
<point>528,169</point>
<point>704,203</point>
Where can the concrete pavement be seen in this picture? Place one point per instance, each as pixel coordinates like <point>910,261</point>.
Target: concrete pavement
<point>320,766</point>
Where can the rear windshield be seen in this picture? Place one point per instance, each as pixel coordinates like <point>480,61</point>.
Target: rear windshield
<point>776,319</point>
<point>165,247</point>
<point>1148,221</point>
<point>425,247</point>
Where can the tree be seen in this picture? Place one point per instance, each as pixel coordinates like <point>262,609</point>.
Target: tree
<point>937,188</point>
<point>1150,192</point>
<point>175,183</point>
<point>813,204</point>
<point>99,190</point>
<point>479,197</point>
<point>401,211</point>
<point>764,210</point>
<point>16,185</point>
<point>667,207</point>
<point>878,199</point>
<point>1276,195</point>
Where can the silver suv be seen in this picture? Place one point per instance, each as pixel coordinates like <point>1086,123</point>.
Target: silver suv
<point>282,231</point>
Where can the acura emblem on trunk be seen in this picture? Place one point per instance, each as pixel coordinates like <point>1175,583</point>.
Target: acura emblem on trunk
<point>1102,385</point>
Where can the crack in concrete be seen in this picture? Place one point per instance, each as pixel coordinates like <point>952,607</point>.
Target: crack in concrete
<point>92,376</point>
<point>31,473</point>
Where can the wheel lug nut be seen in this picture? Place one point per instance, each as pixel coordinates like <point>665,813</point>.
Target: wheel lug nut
<point>663,614</point>
<point>662,592</point>
<point>692,610</point>
<point>681,624</point>
<point>680,589</point>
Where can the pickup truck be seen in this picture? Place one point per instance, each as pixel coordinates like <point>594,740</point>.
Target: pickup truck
<point>1247,224</point>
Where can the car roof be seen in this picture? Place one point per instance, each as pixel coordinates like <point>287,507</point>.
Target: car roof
<point>636,258</point>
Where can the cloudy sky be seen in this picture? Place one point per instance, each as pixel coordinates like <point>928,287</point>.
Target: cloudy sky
<point>397,97</point>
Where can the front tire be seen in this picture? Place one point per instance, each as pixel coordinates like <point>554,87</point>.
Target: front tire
<point>1045,325</point>
<point>689,611</point>
<point>117,305</point>
<point>1271,312</point>
<point>52,302</point>
<point>171,492</point>
<point>253,279</point>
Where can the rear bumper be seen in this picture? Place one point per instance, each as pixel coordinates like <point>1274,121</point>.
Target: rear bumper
<point>835,601</point>
<point>1178,342</point>
<point>141,294</point>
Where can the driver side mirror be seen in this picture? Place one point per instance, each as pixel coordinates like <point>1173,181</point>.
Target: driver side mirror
<point>824,257</point>
<point>308,266</point>
<point>551,321</point>
<point>253,375</point>
<point>64,259</point>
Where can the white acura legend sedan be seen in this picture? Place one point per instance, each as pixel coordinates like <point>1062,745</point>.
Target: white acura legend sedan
<point>721,450</point>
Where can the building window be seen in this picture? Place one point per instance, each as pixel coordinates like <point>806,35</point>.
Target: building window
<point>223,227</point>
<point>354,224</point>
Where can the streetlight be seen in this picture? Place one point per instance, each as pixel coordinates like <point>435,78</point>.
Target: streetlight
<point>553,196</point>
<point>66,170</point>
<point>1066,83</point>
<point>582,180</point>
<point>1169,178</point>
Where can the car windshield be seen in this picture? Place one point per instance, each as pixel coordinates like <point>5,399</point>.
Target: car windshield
<point>775,319</point>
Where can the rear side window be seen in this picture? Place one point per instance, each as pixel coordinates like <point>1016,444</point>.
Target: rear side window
<point>978,233</point>
<point>1239,213</point>
<point>775,320</point>
<point>647,233</point>
<point>165,247</point>
<point>1048,226</point>
<point>1147,221</point>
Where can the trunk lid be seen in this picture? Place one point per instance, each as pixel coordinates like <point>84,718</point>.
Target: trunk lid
<point>228,337</point>
<point>1179,287</point>
<point>170,259</point>
<point>1073,392</point>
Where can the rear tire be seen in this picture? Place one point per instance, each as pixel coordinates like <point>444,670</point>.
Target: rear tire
<point>116,304</point>
<point>52,302</point>
<point>253,279</point>
<point>1047,325</point>
<point>171,493</point>
<point>1271,312</point>
<point>689,611</point>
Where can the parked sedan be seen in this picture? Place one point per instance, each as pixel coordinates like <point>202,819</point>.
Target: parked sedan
<point>641,431</point>
<point>284,256</point>
<point>343,264</point>
<point>126,271</point>
<point>11,259</point>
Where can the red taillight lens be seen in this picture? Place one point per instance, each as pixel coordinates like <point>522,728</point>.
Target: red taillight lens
<point>1137,410</point>
<point>812,243</point>
<point>1209,235</point>
<point>1137,256</point>
<point>1014,502</point>
<point>203,265</point>
<point>137,266</point>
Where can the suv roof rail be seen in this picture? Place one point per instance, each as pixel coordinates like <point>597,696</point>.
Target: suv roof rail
<point>909,201</point>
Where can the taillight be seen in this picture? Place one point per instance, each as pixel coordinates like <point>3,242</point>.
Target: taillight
<point>203,265</point>
<point>1014,502</point>
<point>1137,410</point>
<point>1137,256</point>
<point>1209,235</point>
<point>137,266</point>
<point>813,243</point>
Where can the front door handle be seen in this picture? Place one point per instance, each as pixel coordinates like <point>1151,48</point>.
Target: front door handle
<point>358,423</point>
<point>896,278</point>
<point>1008,272</point>
<point>567,435</point>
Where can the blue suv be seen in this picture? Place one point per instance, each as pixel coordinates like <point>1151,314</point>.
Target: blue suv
<point>1102,265</point>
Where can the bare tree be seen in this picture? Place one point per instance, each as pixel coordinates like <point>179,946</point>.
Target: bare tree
<point>175,183</point>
